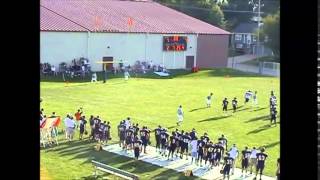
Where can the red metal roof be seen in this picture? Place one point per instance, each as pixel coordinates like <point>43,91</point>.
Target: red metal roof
<point>113,16</point>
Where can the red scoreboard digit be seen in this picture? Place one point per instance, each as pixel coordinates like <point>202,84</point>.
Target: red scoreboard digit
<point>175,43</point>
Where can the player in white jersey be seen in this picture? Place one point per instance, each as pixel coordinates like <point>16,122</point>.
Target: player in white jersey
<point>253,158</point>
<point>194,149</point>
<point>180,115</point>
<point>208,100</point>
<point>233,154</point>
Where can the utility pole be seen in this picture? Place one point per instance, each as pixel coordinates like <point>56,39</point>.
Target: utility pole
<point>258,35</point>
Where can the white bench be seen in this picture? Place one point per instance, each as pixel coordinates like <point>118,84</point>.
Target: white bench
<point>109,169</point>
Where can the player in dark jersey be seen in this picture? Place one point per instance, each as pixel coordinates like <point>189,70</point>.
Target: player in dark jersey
<point>103,132</point>
<point>209,154</point>
<point>143,138</point>
<point>148,136</point>
<point>184,146</point>
<point>224,142</point>
<point>228,161</point>
<point>129,137</point>
<point>91,122</point>
<point>164,136</point>
<point>201,144</point>
<point>179,142</point>
<point>219,150</point>
<point>83,123</point>
<point>122,134</point>
<point>245,160</point>
<point>206,139</point>
<point>234,104</point>
<point>136,129</point>
<point>193,133</point>
<point>97,122</point>
<point>209,100</point>
<point>261,158</point>
<point>273,117</point>
<point>107,132</point>
<point>278,169</point>
<point>157,137</point>
<point>137,147</point>
<point>172,145</point>
<point>225,105</point>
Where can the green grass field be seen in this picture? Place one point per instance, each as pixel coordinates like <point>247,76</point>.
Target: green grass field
<point>149,101</point>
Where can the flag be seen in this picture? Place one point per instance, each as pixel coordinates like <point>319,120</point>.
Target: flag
<point>130,22</point>
<point>97,23</point>
<point>50,122</point>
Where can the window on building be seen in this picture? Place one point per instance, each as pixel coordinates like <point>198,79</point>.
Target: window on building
<point>253,38</point>
<point>238,37</point>
<point>239,46</point>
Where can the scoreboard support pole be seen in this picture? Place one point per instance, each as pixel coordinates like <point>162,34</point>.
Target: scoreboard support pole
<point>174,59</point>
<point>162,58</point>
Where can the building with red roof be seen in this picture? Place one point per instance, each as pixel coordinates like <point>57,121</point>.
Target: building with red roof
<point>128,30</point>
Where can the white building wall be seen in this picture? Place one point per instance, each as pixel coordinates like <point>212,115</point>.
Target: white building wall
<point>57,47</point>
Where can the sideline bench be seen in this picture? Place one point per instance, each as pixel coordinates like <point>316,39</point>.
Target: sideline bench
<point>109,169</point>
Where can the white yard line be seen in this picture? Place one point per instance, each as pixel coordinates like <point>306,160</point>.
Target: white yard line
<point>180,165</point>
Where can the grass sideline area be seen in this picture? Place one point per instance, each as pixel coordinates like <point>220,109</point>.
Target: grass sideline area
<point>150,100</point>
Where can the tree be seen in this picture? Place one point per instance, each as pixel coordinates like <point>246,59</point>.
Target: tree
<point>216,16</point>
<point>271,30</point>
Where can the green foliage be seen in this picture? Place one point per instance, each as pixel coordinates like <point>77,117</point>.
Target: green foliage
<point>216,16</point>
<point>271,29</point>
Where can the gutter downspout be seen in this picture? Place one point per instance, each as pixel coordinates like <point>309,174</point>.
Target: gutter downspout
<point>196,49</point>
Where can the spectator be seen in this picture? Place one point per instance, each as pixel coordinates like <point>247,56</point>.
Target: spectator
<point>70,125</point>
<point>150,65</point>
<point>94,77</point>
<point>126,75</point>
<point>53,69</point>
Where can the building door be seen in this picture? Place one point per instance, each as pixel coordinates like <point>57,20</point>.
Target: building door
<point>189,62</point>
<point>109,65</point>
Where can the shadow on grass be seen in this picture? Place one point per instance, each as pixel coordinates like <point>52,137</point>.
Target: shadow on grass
<point>272,144</point>
<point>172,174</point>
<point>265,117</point>
<point>259,109</point>
<point>215,118</point>
<point>238,110</point>
<point>85,150</point>
<point>260,129</point>
<point>197,109</point>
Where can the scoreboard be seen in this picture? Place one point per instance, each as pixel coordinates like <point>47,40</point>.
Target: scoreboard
<point>175,43</point>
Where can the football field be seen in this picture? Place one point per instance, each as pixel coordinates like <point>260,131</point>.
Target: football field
<point>152,101</point>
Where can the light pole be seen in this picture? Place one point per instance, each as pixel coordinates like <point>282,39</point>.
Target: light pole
<point>257,5</point>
